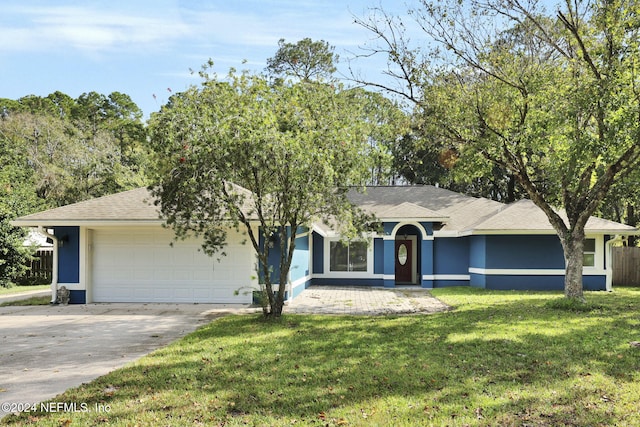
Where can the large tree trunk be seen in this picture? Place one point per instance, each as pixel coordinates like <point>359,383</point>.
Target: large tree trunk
<point>632,221</point>
<point>573,245</point>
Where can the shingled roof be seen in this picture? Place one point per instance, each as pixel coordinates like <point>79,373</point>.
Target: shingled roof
<point>128,207</point>
<point>461,214</point>
<point>458,214</point>
<point>524,215</point>
<point>457,211</point>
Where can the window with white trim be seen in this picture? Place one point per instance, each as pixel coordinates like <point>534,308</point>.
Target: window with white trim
<point>351,256</point>
<point>589,253</point>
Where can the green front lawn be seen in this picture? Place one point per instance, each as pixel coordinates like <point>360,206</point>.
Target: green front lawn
<point>20,289</point>
<point>500,358</point>
<point>29,301</point>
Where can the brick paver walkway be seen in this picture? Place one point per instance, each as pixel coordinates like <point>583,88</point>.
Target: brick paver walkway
<point>364,301</point>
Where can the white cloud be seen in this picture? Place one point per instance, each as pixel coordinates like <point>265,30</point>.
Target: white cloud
<point>87,29</point>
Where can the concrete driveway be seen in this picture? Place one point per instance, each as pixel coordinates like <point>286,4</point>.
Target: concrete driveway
<point>45,350</point>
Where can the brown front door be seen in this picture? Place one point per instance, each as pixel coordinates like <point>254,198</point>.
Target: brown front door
<point>403,261</point>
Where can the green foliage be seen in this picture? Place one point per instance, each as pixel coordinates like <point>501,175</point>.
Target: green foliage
<point>549,101</point>
<point>388,124</point>
<point>27,302</point>
<point>306,60</point>
<point>572,304</point>
<point>76,149</point>
<point>501,358</point>
<point>16,198</point>
<point>244,152</point>
<point>13,255</point>
<point>23,288</point>
<point>57,150</point>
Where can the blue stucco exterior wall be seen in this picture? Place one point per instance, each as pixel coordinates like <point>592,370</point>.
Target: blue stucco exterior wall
<point>273,259</point>
<point>318,253</point>
<point>477,252</point>
<point>539,283</point>
<point>388,227</point>
<point>327,281</point>
<point>537,251</point>
<point>425,266</point>
<point>451,255</point>
<point>428,226</point>
<point>378,256</point>
<point>77,297</point>
<point>68,254</point>
<point>531,252</point>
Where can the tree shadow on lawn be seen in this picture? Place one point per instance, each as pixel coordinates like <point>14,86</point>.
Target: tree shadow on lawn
<point>511,363</point>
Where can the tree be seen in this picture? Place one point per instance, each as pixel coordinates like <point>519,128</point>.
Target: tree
<point>622,204</point>
<point>388,124</point>
<point>552,99</point>
<point>267,158</point>
<point>16,198</point>
<point>306,60</point>
<point>13,255</point>
<point>81,148</point>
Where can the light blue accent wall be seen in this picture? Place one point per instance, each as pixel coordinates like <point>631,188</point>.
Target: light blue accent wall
<point>298,289</point>
<point>318,253</point>
<point>389,263</point>
<point>300,261</point>
<point>68,254</point>
<point>451,255</point>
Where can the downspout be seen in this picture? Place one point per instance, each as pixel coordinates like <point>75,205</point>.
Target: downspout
<point>54,269</point>
<point>609,254</point>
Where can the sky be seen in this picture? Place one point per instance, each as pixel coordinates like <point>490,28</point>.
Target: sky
<point>146,48</point>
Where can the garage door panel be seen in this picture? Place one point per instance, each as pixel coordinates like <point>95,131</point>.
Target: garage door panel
<point>141,266</point>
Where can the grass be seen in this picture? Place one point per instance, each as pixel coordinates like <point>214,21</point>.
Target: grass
<point>29,301</point>
<point>500,358</point>
<point>18,289</point>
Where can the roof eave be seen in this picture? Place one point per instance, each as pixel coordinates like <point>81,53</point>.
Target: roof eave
<point>84,222</point>
<point>550,231</point>
<point>94,222</point>
<point>443,219</point>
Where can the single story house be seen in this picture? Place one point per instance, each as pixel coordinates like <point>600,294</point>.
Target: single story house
<point>115,249</point>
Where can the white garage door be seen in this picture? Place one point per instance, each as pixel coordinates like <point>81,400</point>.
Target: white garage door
<point>140,265</point>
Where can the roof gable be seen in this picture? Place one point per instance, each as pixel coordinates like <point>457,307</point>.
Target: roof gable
<point>408,210</point>
<point>427,202</point>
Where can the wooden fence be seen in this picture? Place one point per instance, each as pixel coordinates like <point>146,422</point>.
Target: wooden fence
<point>40,268</point>
<point>626,266</point>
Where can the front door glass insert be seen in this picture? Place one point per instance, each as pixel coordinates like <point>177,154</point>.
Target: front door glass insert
<point>402,254</point>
